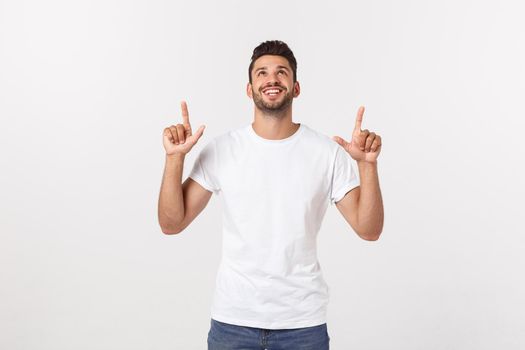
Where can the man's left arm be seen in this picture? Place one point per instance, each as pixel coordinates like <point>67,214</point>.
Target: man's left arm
<point>362,207</point>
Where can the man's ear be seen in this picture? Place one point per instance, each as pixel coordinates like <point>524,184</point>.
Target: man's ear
<point>296,89</point>
<point>249,91</point>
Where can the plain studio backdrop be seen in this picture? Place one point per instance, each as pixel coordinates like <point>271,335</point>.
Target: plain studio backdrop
<point>87,87</point>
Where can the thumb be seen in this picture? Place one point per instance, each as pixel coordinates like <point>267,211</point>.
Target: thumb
<point>197,135</point>
<point>339,140</point>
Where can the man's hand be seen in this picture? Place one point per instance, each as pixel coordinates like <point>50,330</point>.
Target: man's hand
<point>365,145</point>
<point>178,139</point>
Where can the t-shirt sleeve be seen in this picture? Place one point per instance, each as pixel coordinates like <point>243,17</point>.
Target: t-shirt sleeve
<point>204,169</point>
<point>344,177</point>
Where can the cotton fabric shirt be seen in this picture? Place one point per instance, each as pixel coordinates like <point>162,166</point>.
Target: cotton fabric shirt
<point>274,195</point>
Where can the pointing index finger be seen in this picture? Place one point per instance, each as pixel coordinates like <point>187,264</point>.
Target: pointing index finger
<point>359,118</point>
<point>185,114</point>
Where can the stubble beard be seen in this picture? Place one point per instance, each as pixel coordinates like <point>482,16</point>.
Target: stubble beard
<point>276,108</point>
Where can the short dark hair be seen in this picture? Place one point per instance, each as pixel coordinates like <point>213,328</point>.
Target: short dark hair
<point>273,47</point>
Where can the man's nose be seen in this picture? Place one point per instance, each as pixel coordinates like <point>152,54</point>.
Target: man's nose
<point>273,78</point>
<point>274,75</point>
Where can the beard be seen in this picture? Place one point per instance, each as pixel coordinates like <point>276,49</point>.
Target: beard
<point>275,108</point>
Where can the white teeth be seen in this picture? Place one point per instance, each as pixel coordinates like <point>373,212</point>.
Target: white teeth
<point>272,92</point>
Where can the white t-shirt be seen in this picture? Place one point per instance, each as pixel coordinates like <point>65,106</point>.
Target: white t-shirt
<point>274,194</point>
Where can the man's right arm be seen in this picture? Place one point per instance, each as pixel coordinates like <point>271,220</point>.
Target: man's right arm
<point>179,204</point>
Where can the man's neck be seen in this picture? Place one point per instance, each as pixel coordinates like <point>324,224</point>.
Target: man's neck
<point>274,127</point>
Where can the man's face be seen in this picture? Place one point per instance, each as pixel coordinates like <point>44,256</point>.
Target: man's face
<point>272,87</point>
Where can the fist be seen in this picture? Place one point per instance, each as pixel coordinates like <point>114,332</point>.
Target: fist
<point>179,139</point>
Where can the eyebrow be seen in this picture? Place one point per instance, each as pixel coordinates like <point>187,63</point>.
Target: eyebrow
<point>284,67</point>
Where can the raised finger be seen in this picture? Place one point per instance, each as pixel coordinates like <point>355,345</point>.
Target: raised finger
<point>185,116</point>
<point>359,119</point>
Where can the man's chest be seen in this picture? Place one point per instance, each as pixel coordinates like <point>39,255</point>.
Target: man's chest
<point>273,176</point>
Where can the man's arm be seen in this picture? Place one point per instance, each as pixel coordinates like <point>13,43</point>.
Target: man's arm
<point>362,207</point>
<point>171,199</point>
<point>179,204</point>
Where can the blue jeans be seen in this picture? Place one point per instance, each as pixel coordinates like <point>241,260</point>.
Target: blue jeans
<point>225,336</point>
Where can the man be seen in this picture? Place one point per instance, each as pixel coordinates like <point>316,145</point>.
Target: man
<point>275,178</point>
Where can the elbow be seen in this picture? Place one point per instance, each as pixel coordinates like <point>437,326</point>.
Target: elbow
<point>169,225</point>
<point>371,232</point>
<point>170,232</point>
<point>370,236</point>
<point>170,229</point>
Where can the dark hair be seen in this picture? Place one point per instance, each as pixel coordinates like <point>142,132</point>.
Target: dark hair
<point>273,47</point>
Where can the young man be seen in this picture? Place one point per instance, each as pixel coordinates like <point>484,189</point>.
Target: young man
<point>276,179</point>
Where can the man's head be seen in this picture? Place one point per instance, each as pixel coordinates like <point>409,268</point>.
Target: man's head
<point>277,48</point>
<point>273,77</point>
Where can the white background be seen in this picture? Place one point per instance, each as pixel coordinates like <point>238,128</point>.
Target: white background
<point>86,88</point>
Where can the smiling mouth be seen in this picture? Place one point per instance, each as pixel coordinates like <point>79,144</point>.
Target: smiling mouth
<point>272,91</point>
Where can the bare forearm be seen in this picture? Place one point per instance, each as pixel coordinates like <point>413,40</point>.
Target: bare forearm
<point>171,200</point>
<point>370,206</point>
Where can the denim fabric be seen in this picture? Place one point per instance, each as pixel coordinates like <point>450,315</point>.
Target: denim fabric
<point>225,336</point>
